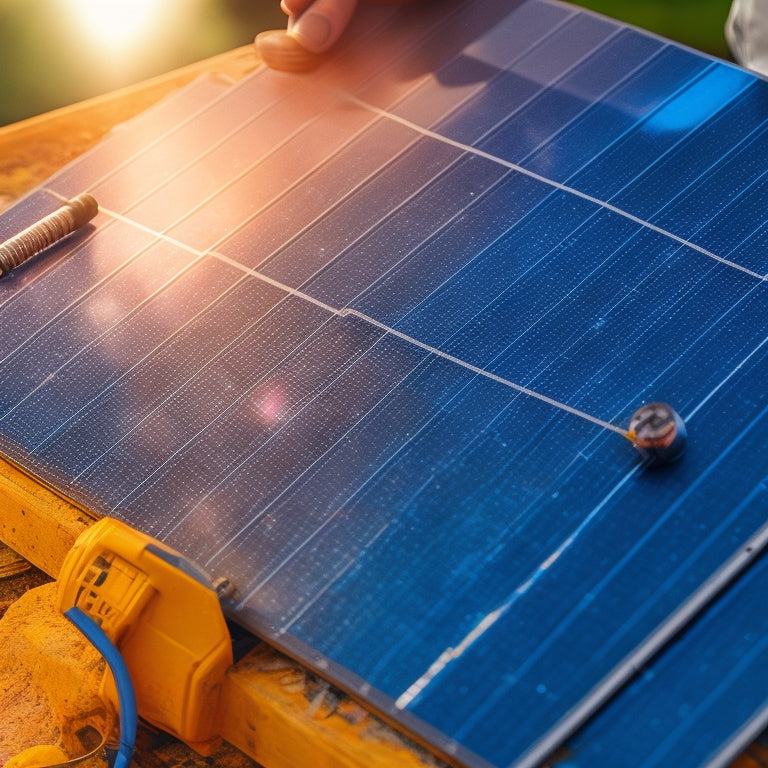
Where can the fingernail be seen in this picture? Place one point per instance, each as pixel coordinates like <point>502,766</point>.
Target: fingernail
<point>313,31</point>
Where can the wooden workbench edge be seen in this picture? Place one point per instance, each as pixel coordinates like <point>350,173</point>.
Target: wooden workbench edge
<point>36,521</point>
<point>33,149</point>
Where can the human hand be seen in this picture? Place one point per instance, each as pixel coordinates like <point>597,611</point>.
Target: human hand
<point>317,24</point>
<point>313,27</point>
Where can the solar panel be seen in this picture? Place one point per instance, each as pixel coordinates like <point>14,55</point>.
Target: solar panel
<point>367,343</point>
<point>701,702</point>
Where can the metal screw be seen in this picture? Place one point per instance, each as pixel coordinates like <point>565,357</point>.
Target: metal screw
<point>223,587</point>
<point>658,433</point>
<point>57,225</point>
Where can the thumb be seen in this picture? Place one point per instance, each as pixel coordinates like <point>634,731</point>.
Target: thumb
<point>321,24</point>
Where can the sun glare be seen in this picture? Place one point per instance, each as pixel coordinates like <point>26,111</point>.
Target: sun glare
<point>115,24</point>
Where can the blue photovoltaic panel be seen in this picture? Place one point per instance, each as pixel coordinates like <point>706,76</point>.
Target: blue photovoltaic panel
<point>366,342</point>
<point>685,709</point>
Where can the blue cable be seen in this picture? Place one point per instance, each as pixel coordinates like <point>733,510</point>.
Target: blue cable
<point>125,693</point>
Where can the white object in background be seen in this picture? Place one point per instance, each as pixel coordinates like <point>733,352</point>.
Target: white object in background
<point>746,31</point>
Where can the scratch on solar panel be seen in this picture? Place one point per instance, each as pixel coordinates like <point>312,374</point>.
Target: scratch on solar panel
<point>450,654</point>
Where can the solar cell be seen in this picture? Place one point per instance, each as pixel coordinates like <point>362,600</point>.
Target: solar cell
<point>367,342</point>
<point>707,687</point>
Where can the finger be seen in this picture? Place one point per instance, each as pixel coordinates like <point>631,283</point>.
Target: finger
<point>295,7</point>
<point>322,23</point>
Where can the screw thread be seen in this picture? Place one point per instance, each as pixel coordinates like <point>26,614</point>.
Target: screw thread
<point>57,225</point>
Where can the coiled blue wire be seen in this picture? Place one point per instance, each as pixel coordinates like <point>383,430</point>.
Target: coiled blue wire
<point>125,692</point>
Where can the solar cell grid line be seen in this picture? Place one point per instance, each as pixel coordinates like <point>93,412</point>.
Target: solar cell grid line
<point>191,188</point>
<point>302,357</point>
<point>621,109</point>
<point>568,61</point>
<point>365,295</point>
<point>52,295</point>
<point>265,105</point>
<point>525,37</point>
<point>717,81</point>
<point>624,55</point>
<point>153,354</point>
<point>741,239</point>
<point>93,316</point>
<point>295,549</point>
<point>660,128</point>
<point>141,131</point>
<point>717,85</point>
<point>66,342</point>
<point>423,271</point>
<point>236,193</point>
<point>555,69</point>
<point>512,40</point>
<point>571,190</point>
<point>213,223</point>
<point>738,124</point>
<point>727,378</point>
<point>284,326</point>
<point>649,724</point>
<point>484,372</point>
<point>628,99</point>
<point>442,422</point>
<point>177,302</point>
<point>536,68</point>
<point>281,449</point>
<point>701,183</point>
<point>743,76</point>
<point>205,224</point>
<point>700,93</point>
<point>29,304</point>
<point>730,178</point>
<point>403,54</point>
<point>108,265</point>
<point>736,243</point>
<point>272,229</point>
<point>408,225</point>
<point>201,345</point>
<point>260,108</point>
<point>391,509</point>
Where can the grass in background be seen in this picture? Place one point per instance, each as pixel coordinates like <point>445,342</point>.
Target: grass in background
<point>48,59</point>
<point>697,23</point>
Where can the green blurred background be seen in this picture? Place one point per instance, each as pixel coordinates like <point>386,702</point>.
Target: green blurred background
<point>698,23</point>
<point>48,59</point>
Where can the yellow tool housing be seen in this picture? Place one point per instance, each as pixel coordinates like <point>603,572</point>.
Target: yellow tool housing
<point>165,618</point>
